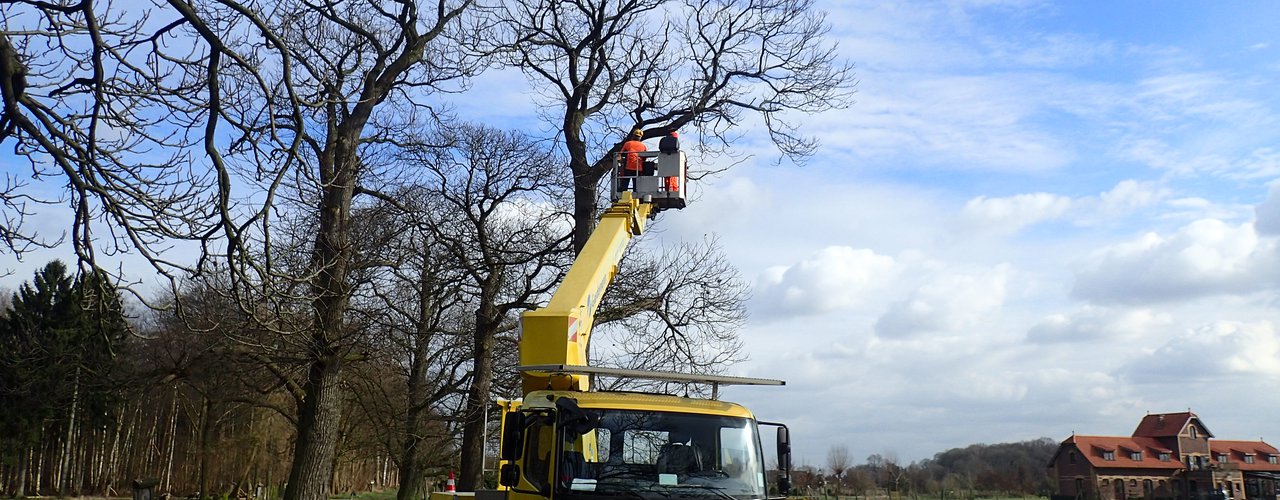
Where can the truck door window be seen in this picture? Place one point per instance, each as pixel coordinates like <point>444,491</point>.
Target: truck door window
<point>539,444</point>
<point>738,455</point>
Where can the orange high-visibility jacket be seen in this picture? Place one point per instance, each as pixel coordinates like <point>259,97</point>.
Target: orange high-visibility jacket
<point>633,161</point>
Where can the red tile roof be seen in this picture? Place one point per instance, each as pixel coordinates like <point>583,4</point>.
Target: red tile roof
<point>1092,447</point>
<point>1167,424</point>
<point>1236,451</point>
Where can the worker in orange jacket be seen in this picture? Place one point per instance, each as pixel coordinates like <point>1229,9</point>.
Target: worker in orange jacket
<point>633,166</point>
<point>671,144</point>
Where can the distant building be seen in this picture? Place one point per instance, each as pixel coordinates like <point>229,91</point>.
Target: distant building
<point>1170,456</point>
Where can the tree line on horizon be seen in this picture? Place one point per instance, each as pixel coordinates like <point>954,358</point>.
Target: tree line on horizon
<point>360,253</point>
<point>1001,469</point>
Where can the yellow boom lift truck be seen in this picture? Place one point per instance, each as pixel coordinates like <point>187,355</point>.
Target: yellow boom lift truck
<point>566,441</point>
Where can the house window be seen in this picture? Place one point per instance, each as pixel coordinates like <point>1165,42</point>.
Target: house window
<point>1193,432</point>
<point>1071,458</point>
<point>1136,456</point>
<point>1164,457</point>
<point>1248,459</point>
<point>1222,458</point>
<point>1147,487</point>
<point>1109,455</point>
<point>1272,459</point>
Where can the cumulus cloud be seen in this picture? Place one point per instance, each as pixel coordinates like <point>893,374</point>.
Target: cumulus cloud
<point>1212,351</point>
<point>946,302</point>
<point>834,278</point>
<point>1009,214</point>
<point>1268,213</point>
<point>1130,195</point>
<point>1205,257</point>
<point>1099,323</point>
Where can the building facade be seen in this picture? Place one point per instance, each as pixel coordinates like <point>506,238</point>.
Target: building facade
<point>1170,456</point>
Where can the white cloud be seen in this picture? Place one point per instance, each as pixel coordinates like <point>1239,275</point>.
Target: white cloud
<point>1129,195</point>
<point>1203,258</point>
<point>1213,351</point>
<point>1262,163</point>
<point>1097,323</point>
<point>946,302</point>
<point>972,123</point>
<point>834,278</point>
<point>1268,213</point>
<point>1009,214</point>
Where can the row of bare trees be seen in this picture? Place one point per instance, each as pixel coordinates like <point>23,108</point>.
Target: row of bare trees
<point>345,258</point>
<point>1004,469</point>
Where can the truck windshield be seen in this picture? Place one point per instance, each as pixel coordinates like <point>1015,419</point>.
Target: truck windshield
<point>645,454</point>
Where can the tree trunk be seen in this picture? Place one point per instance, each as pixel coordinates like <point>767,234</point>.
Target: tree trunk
<point>585,182</point>
<point>64,469</point>
<point>418,386</point>
<point>584,213</point>
<point>173,441</point>
<point>473,431</point>
<point>206,447</point>
<point>320,412</point>
<point>24,461</point>
<point>317,433</point>
<point>410,467</point>
<point>473,426</point>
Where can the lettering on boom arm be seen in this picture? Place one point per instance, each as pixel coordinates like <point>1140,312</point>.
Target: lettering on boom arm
<point>594,297</point>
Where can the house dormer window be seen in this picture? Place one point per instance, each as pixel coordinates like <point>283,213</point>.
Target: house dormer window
<point>1222,458</point>
<point>1164,457</point>
<point>1248,459</point>
<point>1272,459</point>
<point>1136,456</point>
<point>1109,455</point>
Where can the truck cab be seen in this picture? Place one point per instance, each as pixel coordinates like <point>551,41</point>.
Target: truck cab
<point>622,445</point>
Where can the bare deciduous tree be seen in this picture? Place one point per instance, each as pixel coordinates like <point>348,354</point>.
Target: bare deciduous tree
<point>677,310</point>
<point>280,102</point>
<point>495,206</point>
<point>79,104</point>
<point>838,463</point>
<point>604,68</point>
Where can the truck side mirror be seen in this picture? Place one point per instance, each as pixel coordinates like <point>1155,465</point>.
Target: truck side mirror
<point>784,460</point>
<point>512,435</point>
<point>509,475</point>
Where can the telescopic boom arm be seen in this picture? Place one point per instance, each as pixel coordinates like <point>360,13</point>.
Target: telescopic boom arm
<point>558,334</point>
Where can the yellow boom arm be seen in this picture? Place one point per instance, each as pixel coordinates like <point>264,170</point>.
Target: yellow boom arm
<point>558,334</point>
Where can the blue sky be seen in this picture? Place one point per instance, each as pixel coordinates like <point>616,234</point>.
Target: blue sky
<point>1037,218</point>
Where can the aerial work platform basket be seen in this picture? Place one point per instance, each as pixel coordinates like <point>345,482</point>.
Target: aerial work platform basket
<point>661,180</point>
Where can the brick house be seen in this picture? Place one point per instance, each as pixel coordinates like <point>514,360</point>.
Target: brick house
<point>1169,456</point>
